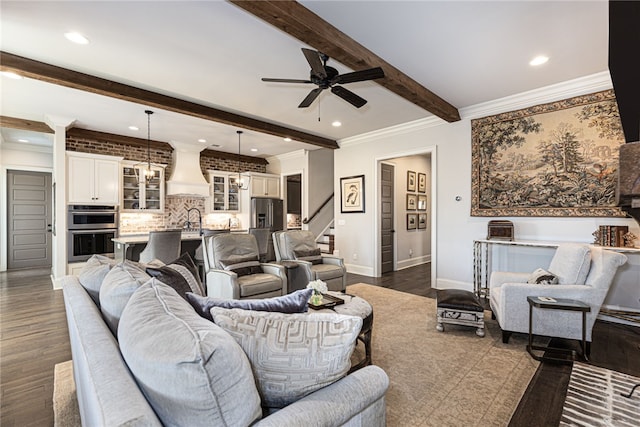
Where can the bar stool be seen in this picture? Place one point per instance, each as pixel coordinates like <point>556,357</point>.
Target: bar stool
<point>162,245</point>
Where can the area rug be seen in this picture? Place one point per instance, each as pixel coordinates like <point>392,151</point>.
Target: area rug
<point>65,403</point>
<point>594,398</point>
<point>449,378</point>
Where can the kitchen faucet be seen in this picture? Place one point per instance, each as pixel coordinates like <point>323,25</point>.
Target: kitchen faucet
<point>189,224</point>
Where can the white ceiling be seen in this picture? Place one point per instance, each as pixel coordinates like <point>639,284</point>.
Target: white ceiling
<point>213,53</point>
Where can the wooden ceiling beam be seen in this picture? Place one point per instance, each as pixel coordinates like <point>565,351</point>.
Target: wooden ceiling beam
<point>73,79</point>
<point>299,22</point>
<point>23,124</point>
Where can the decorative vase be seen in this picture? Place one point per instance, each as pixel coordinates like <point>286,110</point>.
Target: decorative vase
<point>316,299</point>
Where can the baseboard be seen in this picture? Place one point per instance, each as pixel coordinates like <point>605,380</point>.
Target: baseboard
<point>412,262</point>
<point>453,284</point>
<point>359,269</point>
<point>57,283</point>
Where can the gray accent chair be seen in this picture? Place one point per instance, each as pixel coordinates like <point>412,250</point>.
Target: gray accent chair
<point>330,269</point>
<point>162,245</point>
<point>584,273</point>
<point>221,280</point>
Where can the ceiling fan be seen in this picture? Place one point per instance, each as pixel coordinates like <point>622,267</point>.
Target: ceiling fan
<point>327,77</point>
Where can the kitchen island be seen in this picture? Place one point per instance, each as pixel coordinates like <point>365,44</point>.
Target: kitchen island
<point>129,246</point>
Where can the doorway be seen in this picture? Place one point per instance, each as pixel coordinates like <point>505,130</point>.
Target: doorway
<point>293,192</point>
<point>28,219</point>
<point>387,249</point>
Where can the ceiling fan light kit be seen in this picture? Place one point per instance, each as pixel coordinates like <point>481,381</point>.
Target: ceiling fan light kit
<point>326,77</point>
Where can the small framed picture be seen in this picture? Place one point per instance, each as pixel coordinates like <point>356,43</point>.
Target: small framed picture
<point>412,202</point>
<point>422,220</point>
<point>412,221</point>
<point>422,182</point>
<point>411,181</point>
<point>352,194</point>
<point>422,202</point>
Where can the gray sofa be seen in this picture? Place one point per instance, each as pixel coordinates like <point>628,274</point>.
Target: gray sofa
<point>109,395</point>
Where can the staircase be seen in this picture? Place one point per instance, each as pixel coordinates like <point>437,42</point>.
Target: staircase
<point>326,241</point>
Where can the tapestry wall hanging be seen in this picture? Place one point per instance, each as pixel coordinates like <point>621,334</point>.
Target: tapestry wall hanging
<point>556,159</point>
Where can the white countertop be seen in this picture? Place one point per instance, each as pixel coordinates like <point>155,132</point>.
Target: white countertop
<point>128,239</point>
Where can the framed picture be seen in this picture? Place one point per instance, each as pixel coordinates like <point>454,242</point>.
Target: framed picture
<point>411,181</point>
<point>422,221</point>
<point>412,221</point>
<point>422,202</point>
<point>422,182</point>
<point>558,159</point>
<point>412,202</point>
<point>352,194</point>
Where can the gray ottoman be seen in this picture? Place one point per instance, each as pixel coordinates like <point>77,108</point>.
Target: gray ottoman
<point>356,306</point>
<point>460,307</point>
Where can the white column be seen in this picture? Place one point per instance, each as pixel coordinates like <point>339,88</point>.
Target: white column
<point>59,243</point>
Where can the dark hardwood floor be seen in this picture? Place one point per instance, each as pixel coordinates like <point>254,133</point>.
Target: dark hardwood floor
<point>34,337</point>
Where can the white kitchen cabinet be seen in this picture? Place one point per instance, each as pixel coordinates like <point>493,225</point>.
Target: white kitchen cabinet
<point>93,179</point>
<point>264,185</point>
<point>139,193</point>
<point>223,191</point>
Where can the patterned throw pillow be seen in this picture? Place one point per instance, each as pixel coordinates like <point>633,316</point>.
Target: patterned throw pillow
<point>542,277</point>
<point>311,350</point>
<point>181,275</point>
<point>312,255</point>
<point>242,265</point>
<point>295,302</point>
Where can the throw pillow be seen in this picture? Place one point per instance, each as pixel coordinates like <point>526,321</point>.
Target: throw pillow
<point>181,275</point>
<point>118,286</point>
<point>292,355</point>
<point>190,370</point>
<point>93,273</point>
<point>295,302</point>
<point>242,265</point>
<point>571,263</point>
<point>312,255</point>
<point>542,277</point>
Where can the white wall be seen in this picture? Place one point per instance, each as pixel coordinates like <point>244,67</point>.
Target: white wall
<point>455,229</point>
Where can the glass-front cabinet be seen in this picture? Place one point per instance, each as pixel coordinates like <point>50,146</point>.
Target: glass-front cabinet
<point>224,192</point>
<point>139,193</point>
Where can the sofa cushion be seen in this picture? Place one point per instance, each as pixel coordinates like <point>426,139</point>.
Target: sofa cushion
<point>542,277</point>
<point>295,302</point>
<point>292,355</point>
<point>191,371</point>
<point>242,265</point>
<point>93,273</point>
<point>118,286</point>
<point>571,263</point>
<point>181,275</point>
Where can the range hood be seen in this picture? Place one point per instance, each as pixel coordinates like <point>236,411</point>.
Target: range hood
<point>186,178</point>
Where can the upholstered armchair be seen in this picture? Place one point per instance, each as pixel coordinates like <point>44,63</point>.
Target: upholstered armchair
<point>582,272</point>
<point>299,246</point>
<point>233,269</point>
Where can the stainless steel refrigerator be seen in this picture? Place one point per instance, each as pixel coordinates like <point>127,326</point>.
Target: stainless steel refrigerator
<point>266,214</point>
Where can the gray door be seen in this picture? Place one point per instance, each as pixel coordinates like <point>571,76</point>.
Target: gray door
<point>386,223</point>
<point>28,219</point>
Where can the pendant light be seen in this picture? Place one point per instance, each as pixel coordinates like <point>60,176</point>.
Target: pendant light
<point>147,172</point>
<point>241,181</point>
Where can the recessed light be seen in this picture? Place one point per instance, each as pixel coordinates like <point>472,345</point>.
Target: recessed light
<point>11,75</point>
<point>254,150</point>
<point>76,37</point>
<point>134,128</point>
<point>538,60</point>
<point>287,139</point>
<point>336,124</point>
<point>23,140</point>
<point>202,140</point>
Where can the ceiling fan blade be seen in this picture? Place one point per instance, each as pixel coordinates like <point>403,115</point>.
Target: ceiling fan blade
<point>348,96</point>
<point>265,79</point>
<point>310,98</point>
<point>359,76</point>
<point>313,58</point>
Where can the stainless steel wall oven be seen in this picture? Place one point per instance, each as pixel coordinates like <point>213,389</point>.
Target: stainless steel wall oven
<point>90,230</point>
